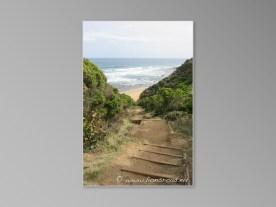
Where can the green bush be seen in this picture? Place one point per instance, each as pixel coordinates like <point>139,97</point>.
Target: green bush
<point>174,115</point>
<point>101,102</point>
<point>173,93</point>
<point>126,100</point>
<point>113,106</point>
<point>168,99</point>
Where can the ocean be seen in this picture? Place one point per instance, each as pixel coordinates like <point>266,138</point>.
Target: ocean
<point>129,73</point>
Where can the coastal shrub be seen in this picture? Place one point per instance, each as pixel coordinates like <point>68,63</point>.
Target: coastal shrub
<point>113,106</point>
<point>92,76</point>
<point>168,99</point>
<point>126,101</point>
<point>174,115</point>
<point>183,124</point>
<point>97,98</point>
<point>101,102</point>
<point>173,93</point>
<point>183,75</point>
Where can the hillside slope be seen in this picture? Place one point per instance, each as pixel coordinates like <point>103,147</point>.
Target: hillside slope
<point>101,104</point>
<point>171,94</point>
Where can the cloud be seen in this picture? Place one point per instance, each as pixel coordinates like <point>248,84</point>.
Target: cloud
<point>91,36</point>
<point>138,38</point>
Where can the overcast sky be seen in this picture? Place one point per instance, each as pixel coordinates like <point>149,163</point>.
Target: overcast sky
<point>138,39</point>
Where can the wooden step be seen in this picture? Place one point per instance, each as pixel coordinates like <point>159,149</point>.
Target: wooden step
<point>177,164</point>
<point>161,153</point>
<point>149,174</point>
<point>153,119</point>
<point>164,146</point>
<point>136,120</point>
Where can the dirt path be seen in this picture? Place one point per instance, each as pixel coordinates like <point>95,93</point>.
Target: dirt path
<point>155,156</point>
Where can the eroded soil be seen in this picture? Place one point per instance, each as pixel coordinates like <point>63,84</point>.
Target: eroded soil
<point>155,155</point>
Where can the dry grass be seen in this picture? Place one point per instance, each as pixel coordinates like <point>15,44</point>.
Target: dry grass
<point>183,125</point>
<point>106,151</point>
<point>115,138</point>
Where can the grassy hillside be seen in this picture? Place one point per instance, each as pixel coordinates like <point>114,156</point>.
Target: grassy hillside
<point>171,95</point>
<point>101,104</point>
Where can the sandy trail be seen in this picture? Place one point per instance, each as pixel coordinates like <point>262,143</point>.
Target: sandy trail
<point>148,159</point>
<point>134,93</point>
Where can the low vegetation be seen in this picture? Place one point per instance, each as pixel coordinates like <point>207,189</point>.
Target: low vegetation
<point>107,149</point>
<point>172,98</point>
<point>173,93</point>
<point>101,105</point>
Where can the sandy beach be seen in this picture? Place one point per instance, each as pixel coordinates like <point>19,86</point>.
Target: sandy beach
<point>134,93</point>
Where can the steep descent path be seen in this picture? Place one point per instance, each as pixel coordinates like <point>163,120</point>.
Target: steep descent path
<point>156,156</point>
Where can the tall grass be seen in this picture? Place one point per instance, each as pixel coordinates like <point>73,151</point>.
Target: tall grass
<point>106,150</point>
<point>181,122</point>
<point>115,138</point>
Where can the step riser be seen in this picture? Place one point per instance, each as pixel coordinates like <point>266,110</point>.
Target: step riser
<point>160,153</point>
<point>163,146</point>
<point>158,162</point>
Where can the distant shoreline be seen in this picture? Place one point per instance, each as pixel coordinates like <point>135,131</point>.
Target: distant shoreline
<point>134,93</point>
